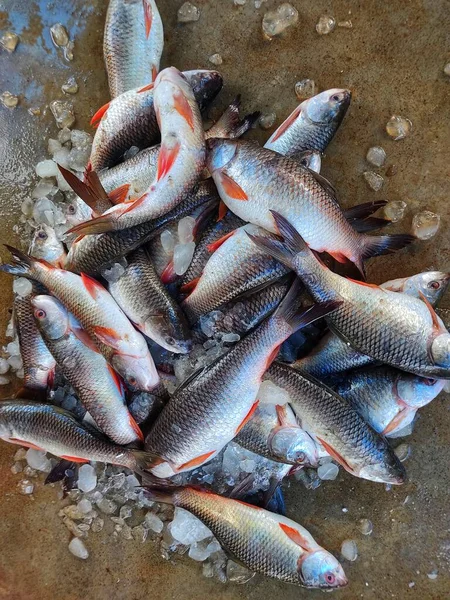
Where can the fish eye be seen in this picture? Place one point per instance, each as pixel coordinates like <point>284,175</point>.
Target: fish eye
<point>132,380</point>
<point>335,97</point>
<point>39,313</point>
<point>71,209</point>
<point>330,578</point>
<point>170,340</point>
<point>301,457</point>
<point>434,285</point>
<point>42,235</point>
<point>429,381</point>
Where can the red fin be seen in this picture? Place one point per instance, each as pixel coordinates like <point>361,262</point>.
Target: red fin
<point>214,245</point>
<point>146,88</point>
<point>22,443</point>
<point>116,378</point>
<point>396,421</point>
<point>107,335</point>
<point>436,325</point>
<point>190,286</point>
<point>231,188</point>
<point>136,428</point>
<point>75,459</point>
<point>166,158</point>
<point>247,418</point>
<point>286,124</point>
<point>183,107</point>
<point>365,284</point>
<point>282,415</point>
<point>195,461</point>
<point>154,72</point>
<point>118,195</point>
<point>296,537</point>
<point>148,16</point>
<point>92,286</point>
<point>98,115</point>
<point>341,258</point>
<point>336,456</point>
<point>85,338</point>
<point>168,275</point>
<point>272,356</point>
<point>223,208</point>
<point>133,204</point>
<point>100,224</point>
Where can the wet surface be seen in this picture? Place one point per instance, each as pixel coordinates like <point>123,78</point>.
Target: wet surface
<point>393,61</point>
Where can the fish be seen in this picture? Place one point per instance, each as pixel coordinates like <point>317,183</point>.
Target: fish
<point>133,42</point>
<point>96,384</point>
<point>230,125</point>
<point>112,333</point>
<point>333,355</point>
<point>252,180</point>
<point>386,398</point>
<point>234,268</point>
<point>312,125</point>
<point>338,427</point>
<point>131,120</point>
<point>262,541</point>
<point>55,430</point>
<point>273,432</point>
<point>396,329</point>
<point>212,406</point>
<point>181,158</point>
<point>146,302</point>
<point>47,246</point>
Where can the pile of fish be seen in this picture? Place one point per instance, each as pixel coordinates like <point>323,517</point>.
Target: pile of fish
<point>244,334</point>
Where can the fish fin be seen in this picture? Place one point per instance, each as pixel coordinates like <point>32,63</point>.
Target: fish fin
<point>327,185</point>
<point>136,428</point>
<point>85,338</point>
<point>116,378</point>
<point>107,335</point>
<point>144,460</point>
<point>332,452</point>
<point>339,257</point>
<point>362,211</point>
<point>92,286</point>
<point>365,284</point>
<point>80,188</point>
<point>59,471</point>
<point>195,462</point>
<point>165,495</point>
<point>99,114</point>
<point>286,124</point>
<point>118,195</point>
<point>101,224</point>
<point>214,245</point>
<point>146,88</point>
<point>295,536</point>
<point>231,188</point>
<point>74,459</point>
<point>281,411</point>
<point>272,356</point>
<point>154,72</point>
<point>190,286</point>
<point>166,159</point>
<point>23,443</point>
<point>148,17</point>
<point>229,125</point>
<point>370,224</point>
<point>23,264</point>
<point>168,275</point>
<point>384,244</point>
<point>223,209</point>
<point>248,416</point>
<point>183,108</point>
<point>397,420</point>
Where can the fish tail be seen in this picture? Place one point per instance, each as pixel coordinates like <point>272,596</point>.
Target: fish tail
<point>102,224</point>
<point>22,264</point>
<point>143,461</point>
<point>230,125</point>
<point>166,494</point>
<point>383,244</point>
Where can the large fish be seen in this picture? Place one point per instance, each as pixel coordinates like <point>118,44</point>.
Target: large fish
<point>396,329</point>
<point>132,44</point>
<point>96,384</point>
<point>146,302</point>
<point>252,180</point>
<point>264,542</point>
<point>52,429</point>
<point>312,125</point>
<point>131,120</point>
<point>388,399</point>
<point>122,346</point>
<point>335,424</point>
<point>213,405</point>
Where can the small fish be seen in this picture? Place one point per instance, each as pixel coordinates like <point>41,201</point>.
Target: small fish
<point>273,432</point>
<point>96,384</point>
<point>230,125</point>
<point>122,346</point>
<point>252,181</point>
<point>146,302</point>
<point>388,399</point>
<point>312,125</point>
<point>52,429</point>
<point>264,542</point>
<point>396,329</point>
<point>212,406</point>
<point>45,245</point>
<point>133,42</point>
<point>338,427</point>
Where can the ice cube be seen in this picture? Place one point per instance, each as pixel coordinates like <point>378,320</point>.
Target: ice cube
<point>208,322</point>
<point>186,230</point>
<point>37,459</point>
<point>22,286</point>
<point>328,471</point>
<point>16,468</point>
<point>403,452</point>
<point>78,158</point>
<point>153,522</point>
<point>26,487</point>
<point>46,168</point>
<point>27,207</point>
<point>4,366</point>
<point>267,121</point>
<point>108,507</point>
<point>167,242</point>
<point>70,87</point>
<point>139,533</point>
<point>84,506</point>
<point>376,156</point>
<point>78,549</point>
<point>349,550</point>
<point>182,256</point>
<point>97,524</point>
<point>62,183</point>
<point>395,211</point>
<point>61,157</point>
<point>87,479</point>
<point>187,13</point>
<point>45,186</point>
<point>15,362</point>
<point>21,454</point>
<point>68,50</point>
<point>59,35</point>
<point>365,526</point>
<point>215,59</point>
<point>231,461</point>
<point>187,529</point>
<point>62,110</point>
<point>80,139</point>
<point>9,100</point>
<point>374,181</point>
<point>272,394</point>
<point>305,89</point>
<point>9,41</point>
<point>132,481</point>
<point>114,273</point>
<point>248,465</point>
<point>238,573</point>
<point>345,24</point>
<point>64,135</point>
<point>231,337</point>
<point>199,551</point>
<point>398,127</point>
<point>433,574</point>
<point>240,2</point>
<point>277,21</point>
<point>4,380</point>
<point>425,224</point>
<point>13,348</point>
<point>447,69</point>
<point>325,25</point>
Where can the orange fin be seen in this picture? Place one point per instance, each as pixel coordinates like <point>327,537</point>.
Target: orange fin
<point>286,124</point>
<point>166,159</point>
<point>214,245</point>
<point>22,443</point>
<point>116,378</point>
<point>107,335</point>
<point>231,188</point>
<point>93,287</point>
<point>190,286</point>
<point>272,356</point>
<point>148,16</point>
<point>133,204</point>
<point>85,338</point>
<point>295,536</point>
<point>101,224</point>
<point>154,72</point>
<point>396,421</point>
<point>75,459</point>
<point>341,258</point>
<point>282,415</point>
<point>146,88</point>
<point>365,284</point>
<point>168,275</point>
<point>196,461</point>
<point>118,195</point>
<point>332,452</point>
<point>436,325</point>
<point>99,114</point>
<point>247,418</point>
<point>223,208</point>
<point>136,428</point>
<point>183,107</point>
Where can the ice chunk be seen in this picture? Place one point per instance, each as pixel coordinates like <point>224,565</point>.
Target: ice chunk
<point>238,573</point>
<point>182,256</point>
<point>62,110</point>
<point>37,459</point>
<point>325,25</point>
<point>240,2</point>
<point>139,533</point>
<point>15,362</point>
<point>132,481</point>
<point>61,157</point>
<point>187,529</point>
<point>78,158</point>
<point>272,394</point>
<point>97,524</point>
<point>277,21</point>
<point>328,471</point>
<point>4,366</point>
<point>231,337</point>
<point>374,181</point>
<point>433,574</point>
<point>305,89</point>
<point>16,468</point>
<point>167,242</point>
<point>248,465</point>
<point>425,224</point>
<point>231,461</point>
<point>199,551</point>
<point>87,479</point>
<point>376,156</point>
<point>68,50</point>
<point>80,139</point>
<point>62,183</point>
<point>126,511</point>
<point>46,168</point>
<point>78,549</point>
<point>84,506</point>
<point>345,24</point>
<point>13,348</point>
<point>9,41</point>
<point>395,211</point>
<point>114,273</point>
<point>21,454</point>
<point>9,100</point>
<point>108,507</point>
<point>64,135</point>
<point>45,186</point>
<point>447,69</point>
<point>153,522</point>
<point>349,550</point>
<point>59,35</point>
<point>186,230</point>
<point>26,487</point>
<point>70,87</point>
<point>4,380</point>
<point>267,121</point>
<point>403,452</point>
<point>187,13</point>
<point>208,322</point>
<point>23,287</point>
<point>47,212</point>
<point>398,127</point>
<point>365,526</point>
<point>216,59</point>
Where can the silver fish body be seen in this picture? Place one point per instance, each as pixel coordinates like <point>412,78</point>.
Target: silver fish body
<point>45,245</point>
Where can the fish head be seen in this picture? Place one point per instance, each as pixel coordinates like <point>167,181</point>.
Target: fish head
<point>328,107</point>
<point>219,153</point>
<point>386,467</point>
<point>172,334</point>
<point>440,350</point>
<point>293,445</point>
<point>77,212</point>
<point>432,284</point>
<point>139,372</point>
<point>320,569</point>
<point>51,317</point>
<point>417,391</point>
<point>205,84</point>
<point>311,159</point>
<point>45,245</point>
